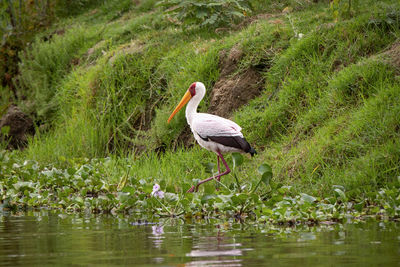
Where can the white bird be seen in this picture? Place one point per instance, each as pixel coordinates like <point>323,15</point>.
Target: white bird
<point>212,132</point>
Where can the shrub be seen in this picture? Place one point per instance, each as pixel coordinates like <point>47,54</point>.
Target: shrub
<point>206,13</point>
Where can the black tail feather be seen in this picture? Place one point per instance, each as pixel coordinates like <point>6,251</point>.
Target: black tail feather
<point>252,151</point>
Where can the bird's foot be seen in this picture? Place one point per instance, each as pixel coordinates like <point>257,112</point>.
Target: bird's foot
<point>192,189</point>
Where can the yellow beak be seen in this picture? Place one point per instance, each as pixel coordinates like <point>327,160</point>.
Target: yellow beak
<point>183,102</point>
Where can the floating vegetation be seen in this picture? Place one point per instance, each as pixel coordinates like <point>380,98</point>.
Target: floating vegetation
<point>84,187</point>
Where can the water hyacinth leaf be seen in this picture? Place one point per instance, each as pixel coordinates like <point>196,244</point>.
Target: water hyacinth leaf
<point>341,187</point>
<point>266,178</point>
<point>307,198</point>
<point>209,188</point>
<point>207,198</point>
<point>148,188</point>
<point>171,197</point>
<point>340,193</point>
<point>237,159</point>
<point>71,171</point>
<point>22,185</point>
<point>122,182</point>
<point>359,206</point>
<point>239,199</point>
<point>264,168</point>
<point>110,196</point>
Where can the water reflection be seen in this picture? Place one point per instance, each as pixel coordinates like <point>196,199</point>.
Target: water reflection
<point>157,231</point>
<point>45,238</point>
<point>224,250</point>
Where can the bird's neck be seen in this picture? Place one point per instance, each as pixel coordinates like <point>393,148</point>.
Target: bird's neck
<point>191,109</point>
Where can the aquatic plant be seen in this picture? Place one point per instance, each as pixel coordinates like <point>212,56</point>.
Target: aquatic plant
<point>84,187</point>
<point>157,192</point>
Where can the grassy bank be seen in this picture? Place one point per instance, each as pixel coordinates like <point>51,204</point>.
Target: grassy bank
<point>326,117</point>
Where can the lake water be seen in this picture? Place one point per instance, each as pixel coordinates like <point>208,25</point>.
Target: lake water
<point>47,238</point>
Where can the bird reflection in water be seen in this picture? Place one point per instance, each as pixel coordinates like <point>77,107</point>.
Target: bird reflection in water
<point>218,250</point>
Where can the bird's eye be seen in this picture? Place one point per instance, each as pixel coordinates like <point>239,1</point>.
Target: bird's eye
<point>192,89</point>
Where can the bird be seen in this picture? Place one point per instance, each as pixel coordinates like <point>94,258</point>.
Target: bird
<point>211,132</point>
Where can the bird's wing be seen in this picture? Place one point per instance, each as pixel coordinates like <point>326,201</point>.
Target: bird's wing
<point>207,125</point>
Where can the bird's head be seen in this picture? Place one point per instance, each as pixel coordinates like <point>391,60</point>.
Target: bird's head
<point>195,91</point>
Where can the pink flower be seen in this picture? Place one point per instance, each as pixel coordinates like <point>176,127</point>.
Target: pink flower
<point>157,192</point>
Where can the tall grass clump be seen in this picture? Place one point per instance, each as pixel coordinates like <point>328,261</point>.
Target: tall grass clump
<point>46,63</point>
<point>330,149</point>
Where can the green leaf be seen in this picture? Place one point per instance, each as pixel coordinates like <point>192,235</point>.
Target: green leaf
<point>71,171</point>
<point>5,129</point>
<point>236,14</point>
<point>237,159</point>
<point>201,14</point>
<point>129,189</point>
<point>264,168</point>
<point>239,199</point>
<point>206,198</point>
<point>340,193</point>
<point>171,197</point>
<point>209,167</point>
<point>359,206</point>
<point>307,198</point>
<point>122,182</point>
<point>266,178</point>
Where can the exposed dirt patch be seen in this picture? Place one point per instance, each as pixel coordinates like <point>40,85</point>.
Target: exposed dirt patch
<point>95,48</point>
<point>132,48</point>
<point>256,18</point>
<point>51,35</point>
<point>19,126</point>
<point>75,61</point>
<point>393,53</point>
<point>230,93</point>
<point>233,90</point>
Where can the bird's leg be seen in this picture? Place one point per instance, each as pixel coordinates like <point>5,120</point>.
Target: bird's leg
<point>219,178</point>
<point>195,188</point>
<point>219,170</point>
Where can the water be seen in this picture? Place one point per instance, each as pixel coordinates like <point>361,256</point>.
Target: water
<point>50,239</point>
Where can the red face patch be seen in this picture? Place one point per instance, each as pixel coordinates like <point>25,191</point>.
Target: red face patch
<point>192,89</point>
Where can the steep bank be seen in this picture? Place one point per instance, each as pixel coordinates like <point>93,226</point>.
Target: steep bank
<point>325,92</point>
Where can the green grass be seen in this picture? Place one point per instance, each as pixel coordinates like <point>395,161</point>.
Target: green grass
<point>327,115</point>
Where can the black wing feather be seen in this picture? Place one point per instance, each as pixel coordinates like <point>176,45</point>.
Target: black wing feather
<point>231,141</point>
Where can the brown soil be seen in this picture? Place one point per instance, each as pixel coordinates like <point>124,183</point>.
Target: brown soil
<point>230,93</point>
<point>21,125</point>
<point>233,90</point>
<point>254,19</point>
<point>132,48</point>
<point>393,53</point>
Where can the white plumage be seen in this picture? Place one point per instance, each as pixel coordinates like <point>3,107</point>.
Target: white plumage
<point>207,125</point>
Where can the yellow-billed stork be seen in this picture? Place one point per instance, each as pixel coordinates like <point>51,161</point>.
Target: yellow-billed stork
<point>212,132</point>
